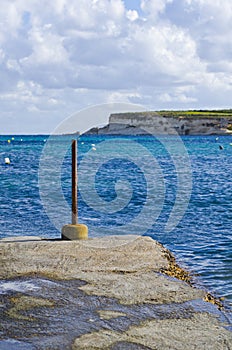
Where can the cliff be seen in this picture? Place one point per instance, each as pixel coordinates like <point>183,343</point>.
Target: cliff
<point>168,122</point>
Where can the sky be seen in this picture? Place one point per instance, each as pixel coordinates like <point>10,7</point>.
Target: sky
<point>62,56</point>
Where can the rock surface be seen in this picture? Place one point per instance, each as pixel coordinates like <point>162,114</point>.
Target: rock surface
<point>199,332</point>
<point>114,291</point>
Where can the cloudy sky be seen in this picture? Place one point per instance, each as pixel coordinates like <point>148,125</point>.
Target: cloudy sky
<point>61,56</point>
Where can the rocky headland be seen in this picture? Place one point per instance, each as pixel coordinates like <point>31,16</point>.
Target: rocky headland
<point>168,122</point>
<point>116,292</point>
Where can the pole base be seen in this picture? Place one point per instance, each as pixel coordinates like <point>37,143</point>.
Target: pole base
<point>74,232</point>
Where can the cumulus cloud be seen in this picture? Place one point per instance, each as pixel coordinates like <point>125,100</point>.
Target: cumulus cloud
<point>154,7</point>
<point>58,57</point>
<point>132,15</point>
<point>208,22</point>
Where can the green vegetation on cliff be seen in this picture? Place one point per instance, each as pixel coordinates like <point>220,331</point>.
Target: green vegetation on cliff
<point>222,113</point>
<point>196,114</point>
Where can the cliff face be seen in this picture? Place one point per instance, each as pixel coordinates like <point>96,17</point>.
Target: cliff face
<point>154,123</point>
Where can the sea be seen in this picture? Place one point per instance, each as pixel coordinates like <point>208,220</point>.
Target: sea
<point>177,190</point>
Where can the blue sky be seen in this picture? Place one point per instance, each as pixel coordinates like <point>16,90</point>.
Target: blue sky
<point>133,5</point>
<point>59,57</point>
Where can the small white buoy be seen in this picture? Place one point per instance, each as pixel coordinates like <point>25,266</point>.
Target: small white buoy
<point>21,139</point>
<point>217,138</point>
<point>12,138</point>
<point>7,160</point>
<point>94,148</point>
<point>8,141</point>
<point>82,143</point>
<point>93,144</point>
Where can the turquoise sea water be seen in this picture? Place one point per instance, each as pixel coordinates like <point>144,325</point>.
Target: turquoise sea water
<point>201,240</point>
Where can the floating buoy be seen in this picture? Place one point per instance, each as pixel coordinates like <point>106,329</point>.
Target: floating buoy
<point>12,138</point>
<point>217,138</point>
<point>82,143</point>
<point>8,141</point>
<point>94,148</point>
<point>221,147</point>
<point>93,144</point>
<point>21,139</point>
<point>7,160</point>
<point>231,144</point>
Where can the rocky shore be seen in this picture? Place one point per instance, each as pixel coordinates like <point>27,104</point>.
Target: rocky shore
<point>166,123</point>
<point>118,292</point>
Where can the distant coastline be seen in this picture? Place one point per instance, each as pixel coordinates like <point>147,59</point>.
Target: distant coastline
<point>192,122</point>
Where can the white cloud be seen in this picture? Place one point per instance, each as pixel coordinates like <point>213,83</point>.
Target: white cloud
<point>57,57</point>
<point>132,15</point>
<point>212,31</point>
<point>154,7</point>
<point>167,50</point>
<point>123,96</point>
<point>180,98</point>
<point>10,18</point>
<point>2,56</point>
<point>47,47</point>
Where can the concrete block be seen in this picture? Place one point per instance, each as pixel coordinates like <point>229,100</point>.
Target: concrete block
<point>74,232</point>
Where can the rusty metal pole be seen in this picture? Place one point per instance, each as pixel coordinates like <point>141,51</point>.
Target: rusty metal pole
<point>74,183</point>
<point>74,231</point>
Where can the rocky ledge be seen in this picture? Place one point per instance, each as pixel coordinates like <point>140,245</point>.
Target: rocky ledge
<point>118,292</point>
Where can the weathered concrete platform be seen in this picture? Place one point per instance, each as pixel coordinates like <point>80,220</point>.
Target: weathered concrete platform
<point>107,293</point>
